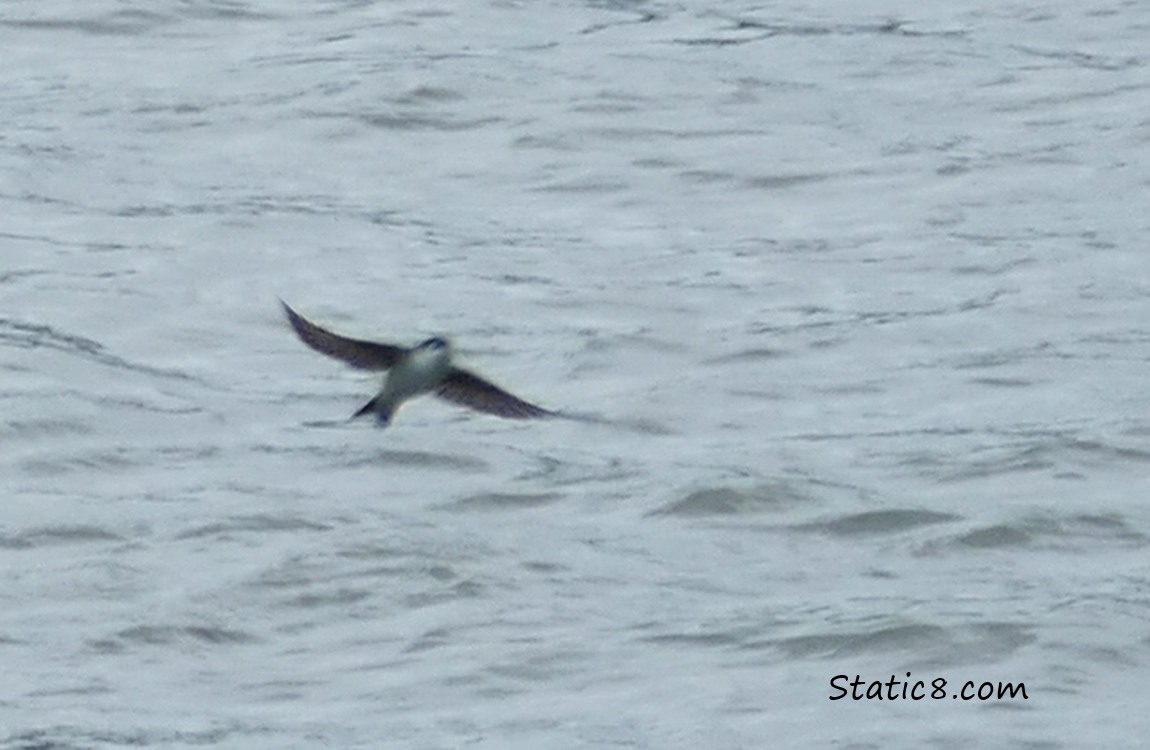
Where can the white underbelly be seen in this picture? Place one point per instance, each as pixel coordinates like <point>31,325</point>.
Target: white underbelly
<point>419,373</point>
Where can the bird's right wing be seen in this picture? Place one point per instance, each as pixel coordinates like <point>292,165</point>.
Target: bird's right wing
<point>467,389</point>
<point>362,355</point>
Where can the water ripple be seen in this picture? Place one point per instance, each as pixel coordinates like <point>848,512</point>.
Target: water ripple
<point>1078,531</point>
<point>57,535</point>
<point>890,521</point>
<point>498,501</point>
<point>22,334</point>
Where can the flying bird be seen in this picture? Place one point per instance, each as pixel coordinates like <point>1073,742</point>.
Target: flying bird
<point>423,368</point>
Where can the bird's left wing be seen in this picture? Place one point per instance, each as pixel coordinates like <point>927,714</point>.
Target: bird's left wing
<point>466,389</point>
<point>363,355</point>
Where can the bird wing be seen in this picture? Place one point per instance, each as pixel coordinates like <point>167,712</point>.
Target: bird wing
<point>362,355</point>
<point>466,389</point>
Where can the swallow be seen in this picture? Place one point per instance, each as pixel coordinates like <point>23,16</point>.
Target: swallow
<point>424,368</point>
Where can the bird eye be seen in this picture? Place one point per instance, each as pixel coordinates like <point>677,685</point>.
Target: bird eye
<point>435,343</point>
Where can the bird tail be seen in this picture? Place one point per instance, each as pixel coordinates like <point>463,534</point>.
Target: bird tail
<point>382,412</point>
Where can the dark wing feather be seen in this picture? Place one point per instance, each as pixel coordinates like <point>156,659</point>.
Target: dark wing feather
<point>463,388</point>
<point>363,355</point>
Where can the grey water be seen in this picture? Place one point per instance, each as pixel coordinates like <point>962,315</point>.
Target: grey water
<point>856,295</point>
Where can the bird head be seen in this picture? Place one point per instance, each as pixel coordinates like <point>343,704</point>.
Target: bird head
<point>435,343</point>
